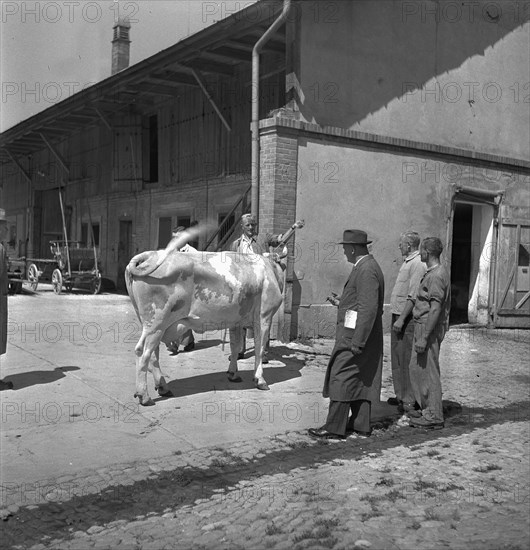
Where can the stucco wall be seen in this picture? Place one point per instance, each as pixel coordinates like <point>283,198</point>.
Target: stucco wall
<point>451,73</point>
<point>345,185</point>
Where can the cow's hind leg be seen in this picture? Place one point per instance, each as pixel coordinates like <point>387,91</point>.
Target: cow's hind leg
<point>160,381</point>
<point>261,335</point>
<point>235,343</point>
<point>143,350</point>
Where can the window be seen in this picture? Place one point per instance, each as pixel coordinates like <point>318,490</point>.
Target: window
<point>184,221</point>
<point>86,235</point>
<point>150,148</point>
<point>95,230</point>
<point>153,148</point>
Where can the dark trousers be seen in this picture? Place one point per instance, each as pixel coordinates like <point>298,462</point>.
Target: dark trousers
<point>400,352</point>
<point>187,338</point>
<point>337,420</point>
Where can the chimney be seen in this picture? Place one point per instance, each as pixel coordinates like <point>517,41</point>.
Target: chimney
<point>120,45</point>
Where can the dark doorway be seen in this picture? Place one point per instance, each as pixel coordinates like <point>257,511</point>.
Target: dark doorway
<point>124,252</point>
<point>461,262</point>
<point>164,231</point>
<point>51,224</point>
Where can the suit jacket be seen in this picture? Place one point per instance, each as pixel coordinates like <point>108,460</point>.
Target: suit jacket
<point>4,283</point>
<point>350,377</point>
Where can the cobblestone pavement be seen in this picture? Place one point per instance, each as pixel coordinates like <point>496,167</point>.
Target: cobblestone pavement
<point>463,487</point>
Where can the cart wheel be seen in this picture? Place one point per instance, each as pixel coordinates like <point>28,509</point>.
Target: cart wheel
<point>33,276</point>
<point>95,285</point>
<point>57,281</point>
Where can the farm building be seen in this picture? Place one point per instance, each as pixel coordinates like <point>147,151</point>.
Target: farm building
<point>384,115</point>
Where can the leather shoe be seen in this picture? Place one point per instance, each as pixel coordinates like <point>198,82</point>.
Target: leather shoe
<point>407,407</point>
<point>422,423</point>
<point>322,433</point>
<point>173,349</point>
<point>394,401</point>
<point>190,346</point>
<point>358,433</point>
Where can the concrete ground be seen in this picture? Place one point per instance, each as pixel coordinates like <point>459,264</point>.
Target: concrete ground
<point>224,465</point>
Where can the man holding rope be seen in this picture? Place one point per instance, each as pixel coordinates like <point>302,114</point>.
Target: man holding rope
<point>252,243</point>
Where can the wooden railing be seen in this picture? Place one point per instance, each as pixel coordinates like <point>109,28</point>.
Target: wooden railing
<point>240,207</point>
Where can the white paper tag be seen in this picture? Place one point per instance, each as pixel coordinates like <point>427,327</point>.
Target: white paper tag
<point>350,320</point>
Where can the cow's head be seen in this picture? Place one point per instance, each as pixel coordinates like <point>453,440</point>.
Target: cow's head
<point>278,263</point>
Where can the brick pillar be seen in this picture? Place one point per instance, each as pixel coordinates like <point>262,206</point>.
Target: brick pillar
<point>277,200</point>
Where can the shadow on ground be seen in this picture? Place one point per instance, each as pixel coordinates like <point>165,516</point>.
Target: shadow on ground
<point>199,345</point>
<point>274,373</point>
<point>36,377</point>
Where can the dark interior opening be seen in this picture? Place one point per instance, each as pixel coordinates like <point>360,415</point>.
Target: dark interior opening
<point>461,263</point>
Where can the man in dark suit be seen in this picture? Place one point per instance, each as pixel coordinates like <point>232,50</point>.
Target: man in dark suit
<point>353,377</point>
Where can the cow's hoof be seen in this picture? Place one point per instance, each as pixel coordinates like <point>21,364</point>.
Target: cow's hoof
<point>166,393</point>
<point>147,403</point>
<point>233,377</point>
<point>261,385</point>
<point>144,402</point>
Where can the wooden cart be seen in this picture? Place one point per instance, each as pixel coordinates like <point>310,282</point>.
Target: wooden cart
<point>76,266</point>
<point>29,271</point>
<point>72,265</point>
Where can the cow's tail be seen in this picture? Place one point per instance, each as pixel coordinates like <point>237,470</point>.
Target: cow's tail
<point>141,265</point>
<point>130,290</point>
<point>129,282</point>
<point>146,263</point>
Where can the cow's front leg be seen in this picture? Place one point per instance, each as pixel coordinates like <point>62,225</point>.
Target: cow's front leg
<point>143,355</point>
<point>235,344</point>
<point>160,381</point>
<point>261,334</point>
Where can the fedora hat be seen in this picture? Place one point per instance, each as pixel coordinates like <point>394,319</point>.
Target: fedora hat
<point>2,215</point>
<point>354,236</point>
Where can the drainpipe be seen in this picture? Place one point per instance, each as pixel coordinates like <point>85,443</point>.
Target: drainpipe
<point>254,124</point>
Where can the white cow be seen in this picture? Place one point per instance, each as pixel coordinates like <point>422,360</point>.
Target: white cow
<point>173,292</point>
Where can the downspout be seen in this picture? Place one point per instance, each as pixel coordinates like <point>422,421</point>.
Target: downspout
<point>254,124</point>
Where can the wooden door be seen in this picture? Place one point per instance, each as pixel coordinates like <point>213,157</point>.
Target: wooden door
<point>124,251</point>
<point>513,274</point>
